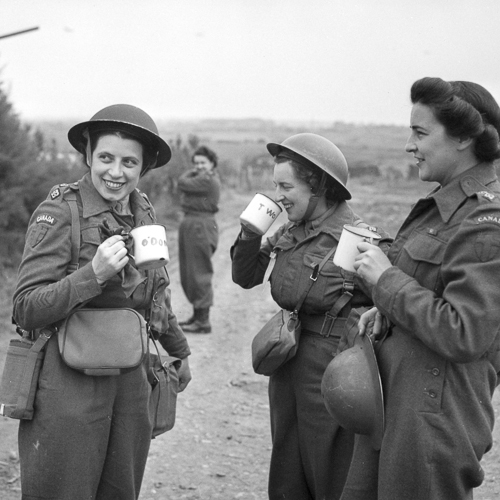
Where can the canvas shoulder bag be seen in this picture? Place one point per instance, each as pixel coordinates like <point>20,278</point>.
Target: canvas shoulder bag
<point>164,380</point>
<point>103,341</point>
<point>277,341</point>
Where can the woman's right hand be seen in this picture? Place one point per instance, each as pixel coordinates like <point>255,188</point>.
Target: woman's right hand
<point>371,323</point>
<point>110,258</point>
<point>247,233</point>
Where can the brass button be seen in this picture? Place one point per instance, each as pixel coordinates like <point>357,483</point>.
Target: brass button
<point>435,371</point>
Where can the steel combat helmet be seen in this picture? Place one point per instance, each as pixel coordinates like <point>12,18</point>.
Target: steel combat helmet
<point>320,152</point>
<point>125,118</point>
<point>352,390</point>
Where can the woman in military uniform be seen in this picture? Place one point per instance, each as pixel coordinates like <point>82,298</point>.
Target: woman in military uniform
<point>90,435</point>
<point>438,291</point>
<point>199,236</point>
<point>311,452</point>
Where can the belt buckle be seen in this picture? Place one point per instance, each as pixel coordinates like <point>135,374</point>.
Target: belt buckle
<point>328,323</point>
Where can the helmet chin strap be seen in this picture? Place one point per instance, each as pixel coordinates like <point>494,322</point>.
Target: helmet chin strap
<point>314,199</point>
<point>88,147</point>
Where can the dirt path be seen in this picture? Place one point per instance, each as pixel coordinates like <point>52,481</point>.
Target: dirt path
<point>220,445</point>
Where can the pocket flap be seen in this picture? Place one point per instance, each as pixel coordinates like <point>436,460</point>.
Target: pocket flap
<point>425,248</point>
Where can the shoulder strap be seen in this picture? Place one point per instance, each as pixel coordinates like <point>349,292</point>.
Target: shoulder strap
<point>70,197</point>
<point>314,276</point>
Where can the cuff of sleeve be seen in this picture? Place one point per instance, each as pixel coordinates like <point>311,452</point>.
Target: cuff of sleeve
<point>85,283</point>
<point>386,290</point>
<point>175,346</point>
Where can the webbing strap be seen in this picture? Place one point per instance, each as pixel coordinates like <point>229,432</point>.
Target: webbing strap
<point>70,197</point>
<point>313,278</point>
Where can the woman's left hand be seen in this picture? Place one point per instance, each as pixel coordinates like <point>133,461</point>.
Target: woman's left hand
<point>371,263</point>
<point>184,373</point>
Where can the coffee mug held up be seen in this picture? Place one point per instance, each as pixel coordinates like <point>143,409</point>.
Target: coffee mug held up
<point>347,249</point>
<point>150,246</point>
<point>260,213</point>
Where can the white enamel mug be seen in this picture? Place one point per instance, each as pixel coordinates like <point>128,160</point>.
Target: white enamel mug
<point>347,249</point>
<point>150,246</point>
<point>260,213</point>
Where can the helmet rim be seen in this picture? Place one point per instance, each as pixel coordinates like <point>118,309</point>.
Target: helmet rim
<point>289,144</point>
<point>350,415</point>
<point>77,139</point>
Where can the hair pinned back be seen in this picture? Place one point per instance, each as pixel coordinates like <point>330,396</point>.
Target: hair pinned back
<point>465,109</point>
<point>207,153</point>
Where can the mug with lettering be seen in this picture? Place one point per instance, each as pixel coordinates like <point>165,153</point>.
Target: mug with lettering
<point>150,246</point>
<point>347,248</point>
<point>260,213</point>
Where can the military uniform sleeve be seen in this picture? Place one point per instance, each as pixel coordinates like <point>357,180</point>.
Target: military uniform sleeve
<point>173,340</point>
<point>196,182</point>
<point>44,293</point>
<point>250,258</point>
<point>463,322</point>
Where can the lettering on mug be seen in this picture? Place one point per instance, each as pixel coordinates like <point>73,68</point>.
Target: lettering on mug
<point>269,211</point>
<point>153,242</point>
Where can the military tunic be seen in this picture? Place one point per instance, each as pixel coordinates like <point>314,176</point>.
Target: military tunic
<point>198,234</point>
<point>439,365</point>
<point>311,453</point>
<point>90,435</point>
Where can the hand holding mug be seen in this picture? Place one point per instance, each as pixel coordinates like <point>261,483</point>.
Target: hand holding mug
<point>110,258</point>
<point>370,263</point>
<point>260,213</point>
<point>347,249</point>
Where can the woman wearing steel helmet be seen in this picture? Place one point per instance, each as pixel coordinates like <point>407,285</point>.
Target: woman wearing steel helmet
<point>437,292</point>
<point>90,435</point>
<point>311,453</point>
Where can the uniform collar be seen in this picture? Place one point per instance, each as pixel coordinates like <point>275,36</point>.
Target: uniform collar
<point>451,197</point>
<point>93,203</point>
<point>340,213</point>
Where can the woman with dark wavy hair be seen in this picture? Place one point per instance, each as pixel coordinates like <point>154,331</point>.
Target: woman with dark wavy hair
<point>437,313</point>
<point>199,236</point>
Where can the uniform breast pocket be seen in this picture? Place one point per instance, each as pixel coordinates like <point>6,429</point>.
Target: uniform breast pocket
<point>329,280</point>
<point>91,235</point>
<point>422,257</point>
<point>91,239</point>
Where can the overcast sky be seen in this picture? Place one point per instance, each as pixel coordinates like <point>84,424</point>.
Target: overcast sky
<point>314,60</point>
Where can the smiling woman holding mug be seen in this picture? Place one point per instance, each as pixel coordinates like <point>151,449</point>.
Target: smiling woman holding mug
<point>90,435</point>
<point>311,452</point>
<point>437,293</point>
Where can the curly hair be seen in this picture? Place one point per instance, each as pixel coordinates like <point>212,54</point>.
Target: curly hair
<point>465,109</point>
<point>207,153</point>
<point>311,175</point>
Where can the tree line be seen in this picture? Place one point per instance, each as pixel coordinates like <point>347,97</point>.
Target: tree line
<point>30,165</point>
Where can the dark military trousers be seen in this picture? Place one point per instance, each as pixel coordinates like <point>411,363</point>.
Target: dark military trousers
<point>90,436</point>
<point>311,452</point>
<point>198,239</point>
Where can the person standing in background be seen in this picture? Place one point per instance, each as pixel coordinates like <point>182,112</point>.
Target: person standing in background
<point>199,236</point>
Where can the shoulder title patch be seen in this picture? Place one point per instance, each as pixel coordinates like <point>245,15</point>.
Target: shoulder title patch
<point>488,218</point>
<point>55,193</point>
<point>46,219</point>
